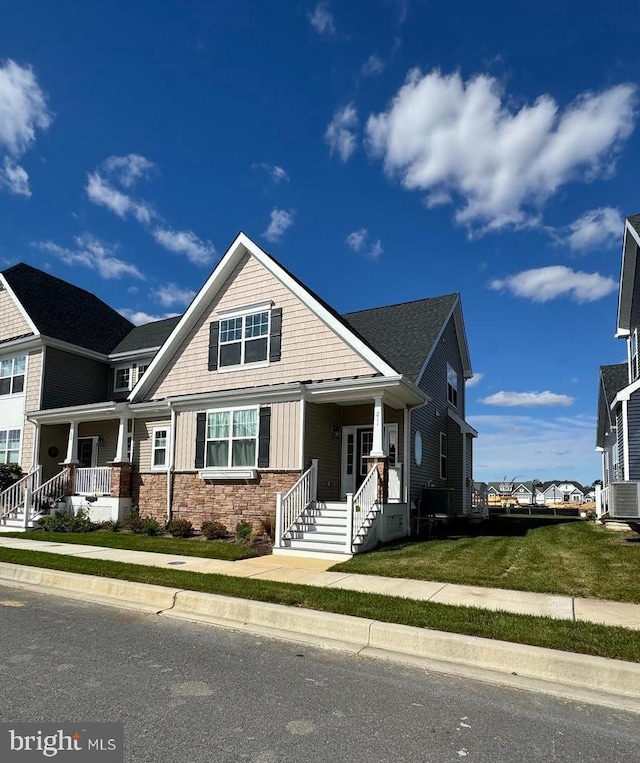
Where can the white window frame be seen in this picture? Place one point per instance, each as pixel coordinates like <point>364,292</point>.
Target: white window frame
<point>6,451</point>
<point>154,448</point>
<point>452,385</point>
<point>14,359</point>
<point>444,456</point>
<point>115,378</point>
<point>230,439</point>
<point>244,313</point>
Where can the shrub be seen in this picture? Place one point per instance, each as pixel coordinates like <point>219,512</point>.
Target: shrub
<point>111,525</point>
<point>149,526</point>
<point>267,526</point>
<point>180,528</point>
<point>9,473</point>
<point>59,522</point>
<point>244,531</point>
<point>54,523</point>
<point>213,530</point>
<point>134,521</point>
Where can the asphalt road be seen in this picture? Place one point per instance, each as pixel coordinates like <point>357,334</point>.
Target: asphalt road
<point>195,693</point>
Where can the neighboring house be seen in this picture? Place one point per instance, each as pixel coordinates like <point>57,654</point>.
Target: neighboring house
<point>562,491</point>
<point>260,400</point>
<point>618,427</point>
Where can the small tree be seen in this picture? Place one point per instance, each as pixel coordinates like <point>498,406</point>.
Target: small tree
<point>9,473</point>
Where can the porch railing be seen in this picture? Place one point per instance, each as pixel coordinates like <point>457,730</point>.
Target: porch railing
<point>49,493</point>
<point>291,505</point>
<point>95,480</point>
<point>361,506</point>
<point>12,500</point>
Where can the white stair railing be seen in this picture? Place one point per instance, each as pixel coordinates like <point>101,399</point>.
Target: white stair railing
<point>12,500</point>
<point>361,506</point>
<point>291,505</point>
<point>93,480</point>
<point>46,495</point>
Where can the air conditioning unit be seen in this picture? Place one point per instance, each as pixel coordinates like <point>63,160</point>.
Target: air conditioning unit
<point>624,500</point>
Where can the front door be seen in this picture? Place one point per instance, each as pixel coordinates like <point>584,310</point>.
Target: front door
<point>364,443</point>
<point>356,446</point>
<point>86,452</point>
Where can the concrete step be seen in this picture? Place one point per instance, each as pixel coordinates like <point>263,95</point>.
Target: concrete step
<point>316,545</point>
<point>308,554</point>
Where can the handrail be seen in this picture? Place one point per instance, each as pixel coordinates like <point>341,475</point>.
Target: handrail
<point>362,504</point>
<point>291,505</point>
<point>92,480</point>
<point>49,491</point>
<point>13,497</point>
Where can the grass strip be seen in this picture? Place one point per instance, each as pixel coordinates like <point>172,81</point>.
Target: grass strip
<point>580,637</point>
<point>229,552</point>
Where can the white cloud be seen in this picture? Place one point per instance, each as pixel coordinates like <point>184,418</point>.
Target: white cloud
<point>358,240</point>
<point>474,380</point>
<point>127,170</point>
<point>322,20</point>
<point>528,399</point>
<point>535,447</point>
<point>23,111</point>
<point>597,229</point>
<point>500,163</point>
<point>543,284</point>
<point>185,242</point>
<point>14,178</point>
<point>92,253</point>
<point>280,221</point>
<point>340,133</point>
<point>138,317</point>
<point>171,294</point>
<point>276,173</point>
<point>102,193</point>
<point>372,66</point>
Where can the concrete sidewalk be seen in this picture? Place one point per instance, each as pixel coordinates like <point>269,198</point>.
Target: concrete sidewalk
<point>291,569</point>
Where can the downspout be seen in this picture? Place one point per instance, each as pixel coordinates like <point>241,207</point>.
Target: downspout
<point>170,462</point>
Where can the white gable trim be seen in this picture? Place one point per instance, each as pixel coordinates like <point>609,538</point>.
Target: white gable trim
<point>244,245</point>
<point>456,312</point>
<point>18,304</point>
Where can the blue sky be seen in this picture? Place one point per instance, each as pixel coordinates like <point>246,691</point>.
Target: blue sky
<point>409,150</point>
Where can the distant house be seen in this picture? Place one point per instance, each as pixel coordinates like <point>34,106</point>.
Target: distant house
<point>618,422</point>
<point>562,491</point>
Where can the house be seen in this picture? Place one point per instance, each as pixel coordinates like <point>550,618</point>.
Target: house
<point>618,422</point>
<point>562,491</point>
<point>260,400</point>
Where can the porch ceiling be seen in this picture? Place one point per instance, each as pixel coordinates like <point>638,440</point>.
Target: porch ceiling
<point>397,392</point>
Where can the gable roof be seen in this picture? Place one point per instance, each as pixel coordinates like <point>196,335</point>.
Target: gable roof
<point>630,246</point>
<point>555,483</point>
<point>404,333</point>
<point>148,336</point>
<point>61,310</point>
<point>613,379</point>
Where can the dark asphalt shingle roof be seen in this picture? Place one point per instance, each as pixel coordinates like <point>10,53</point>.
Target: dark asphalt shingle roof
<point>614,378</point>
<point>148,335</point>
<point>66,312</point>
<point>403,334</point>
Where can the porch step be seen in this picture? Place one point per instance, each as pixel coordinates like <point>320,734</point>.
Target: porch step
<point>318,535</point>
<point>320,521</point>
<point>326,546</point>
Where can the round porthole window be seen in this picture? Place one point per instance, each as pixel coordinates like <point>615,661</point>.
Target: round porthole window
<point>417,448</point>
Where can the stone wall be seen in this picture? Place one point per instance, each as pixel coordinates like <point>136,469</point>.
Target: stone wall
<point>228,501</point>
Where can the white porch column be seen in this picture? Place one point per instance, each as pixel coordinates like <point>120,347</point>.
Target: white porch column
<point>378,427</point>
<point>121,448</point>
<point>72,444</point>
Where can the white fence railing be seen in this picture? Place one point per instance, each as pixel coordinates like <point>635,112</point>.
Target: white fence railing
<point>48,494</point>
<point>361,505</point>
<point>12,499</point>
<point>395,483</point>
<point>95,480</point>
<point>291,505</point>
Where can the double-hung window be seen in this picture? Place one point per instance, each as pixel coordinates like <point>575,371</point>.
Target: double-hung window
<point>244,339</point>
<point>231,438</point>
<point>12,375</point>
<point>452,385</point>
<point>159,447</point>
<point>122,380</point>
<point>9,446</point>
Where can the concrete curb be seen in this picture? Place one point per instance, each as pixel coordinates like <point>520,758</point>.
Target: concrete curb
<point>596,680</point>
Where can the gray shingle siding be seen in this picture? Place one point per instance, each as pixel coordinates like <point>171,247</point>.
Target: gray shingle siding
<point>434,382</point>
<point>71,379</point>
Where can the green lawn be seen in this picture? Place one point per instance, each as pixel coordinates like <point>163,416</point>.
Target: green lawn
<point>160,545</point>
<point>574,558</point>
<point>585,638</point>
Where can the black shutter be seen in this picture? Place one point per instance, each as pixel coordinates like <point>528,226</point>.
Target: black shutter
<point>264,436</point>
<point>214,332</point>
<point>276,334</point>
<point>201,432</point>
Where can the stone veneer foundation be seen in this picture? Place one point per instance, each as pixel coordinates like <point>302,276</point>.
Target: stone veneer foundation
<point>195,499</point>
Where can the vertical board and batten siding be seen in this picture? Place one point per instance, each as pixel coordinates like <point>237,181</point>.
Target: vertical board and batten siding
<point>633,424</point>
<point>12,322</point>
<point>310,350</point>
<point>283,443</point>
<point>320,443</point>
<point>71,379</point>
<point>32,398</point>
<point>143,433</point>
<point>430,425</point>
